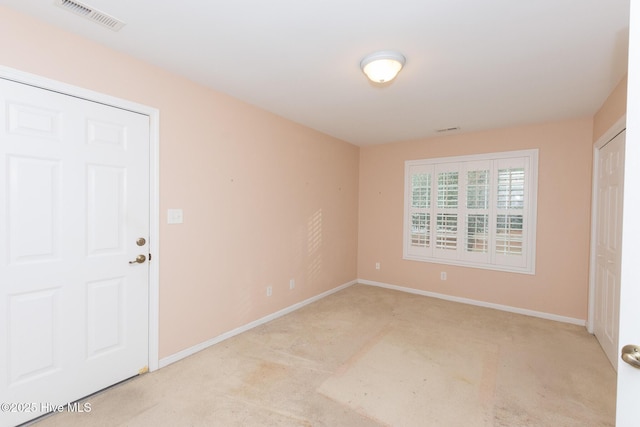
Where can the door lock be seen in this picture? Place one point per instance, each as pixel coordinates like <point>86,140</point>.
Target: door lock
<point>631,355</point>
<point>139,259</point>
<point>141,241</point>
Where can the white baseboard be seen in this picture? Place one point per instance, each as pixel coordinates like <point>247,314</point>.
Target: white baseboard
<point>199,347</point>
<point>510,309</point>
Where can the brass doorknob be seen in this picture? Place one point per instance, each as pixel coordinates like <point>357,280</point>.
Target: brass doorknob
<point>139,259</point>
<point>631,355</point>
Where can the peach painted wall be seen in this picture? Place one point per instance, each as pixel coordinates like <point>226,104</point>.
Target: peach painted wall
<point>560,285</point>
<point>614,107</point>
<point>264,199</point>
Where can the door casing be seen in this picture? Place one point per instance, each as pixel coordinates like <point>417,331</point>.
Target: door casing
<point>154,196</point>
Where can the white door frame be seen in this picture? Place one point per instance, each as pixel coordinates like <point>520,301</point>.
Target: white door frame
<point>154,207</point>
<point>618,127</point>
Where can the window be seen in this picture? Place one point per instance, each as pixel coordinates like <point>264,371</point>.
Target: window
<point>476,211</point>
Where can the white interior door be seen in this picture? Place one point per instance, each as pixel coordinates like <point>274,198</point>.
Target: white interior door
<point>74,199</point>
<point>628,409</point>
<point>609,187</point>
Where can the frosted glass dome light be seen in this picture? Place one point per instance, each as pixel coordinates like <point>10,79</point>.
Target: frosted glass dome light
<point>384,66</point>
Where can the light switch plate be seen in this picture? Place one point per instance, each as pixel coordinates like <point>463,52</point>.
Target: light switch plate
<point>174,216</point>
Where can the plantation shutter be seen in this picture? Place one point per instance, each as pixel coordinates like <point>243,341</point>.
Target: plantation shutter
<point>511,214</point>
<point>418,240</point>
<point>447,242</point>
<point>476,211</point>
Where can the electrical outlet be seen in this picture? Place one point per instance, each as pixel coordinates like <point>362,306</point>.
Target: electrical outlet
<point>377,266</point>
<point>292,283</point>
<point>443,275</point>
<point>269,291</point>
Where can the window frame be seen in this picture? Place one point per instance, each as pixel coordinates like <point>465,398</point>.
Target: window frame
<point>462,255</point>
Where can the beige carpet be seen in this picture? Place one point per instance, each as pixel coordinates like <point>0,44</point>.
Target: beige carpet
<point>373,357</point>
<point>405,377</point>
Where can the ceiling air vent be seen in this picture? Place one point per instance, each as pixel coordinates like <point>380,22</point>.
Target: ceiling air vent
<point>448,129</point>
<point>90,13</point>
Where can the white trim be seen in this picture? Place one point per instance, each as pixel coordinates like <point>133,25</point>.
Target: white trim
<point>165,361</point>
<point>474,157</point>
<point>154,241</point>
<point>516,310</point>
<point>154,173</point>
<point>614,130</point>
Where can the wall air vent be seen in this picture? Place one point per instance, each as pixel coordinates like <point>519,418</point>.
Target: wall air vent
<point>448,129</point>
<point>90,13</point>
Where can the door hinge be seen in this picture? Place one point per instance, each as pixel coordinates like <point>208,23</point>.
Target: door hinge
<point>143,370</point>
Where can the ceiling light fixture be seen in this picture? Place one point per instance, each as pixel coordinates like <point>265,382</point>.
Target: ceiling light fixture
<point>383,66</point>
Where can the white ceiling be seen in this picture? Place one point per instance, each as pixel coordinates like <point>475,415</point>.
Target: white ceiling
<point>477,64</point>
